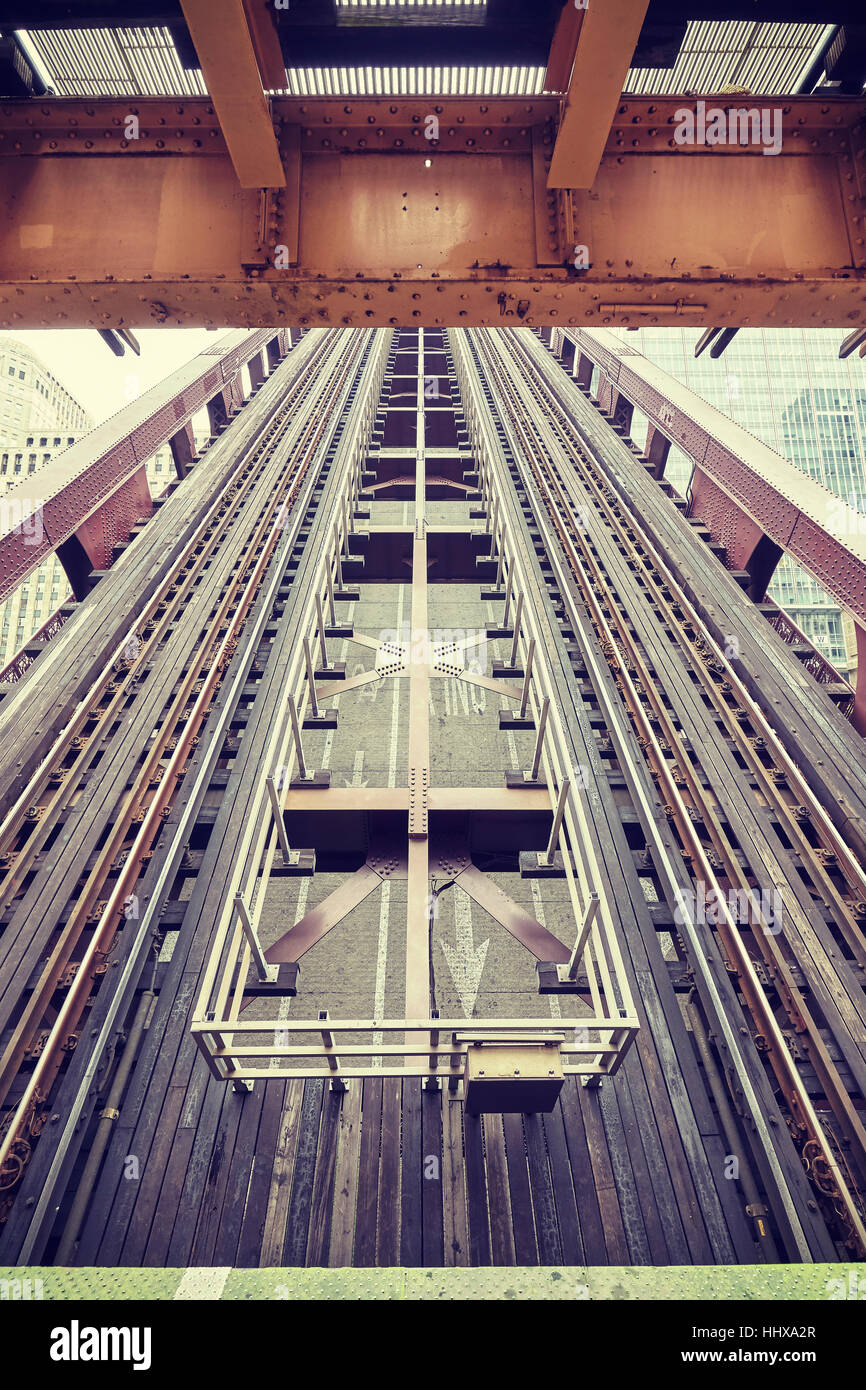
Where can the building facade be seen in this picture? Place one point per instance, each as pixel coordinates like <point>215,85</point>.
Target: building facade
<point>32,400</point>
<point>788,387</point>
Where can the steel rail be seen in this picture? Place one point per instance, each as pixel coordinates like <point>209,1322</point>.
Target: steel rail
<point>51,1058</point>
<point>560,509</point>
<point>715,672</point>
<point>218,517</point>
<point>229,506</point>
<point>170,858</point>
<point>835,989</point>
<point>831,837</point>
<point>260,543</point>
<point>631,546</point>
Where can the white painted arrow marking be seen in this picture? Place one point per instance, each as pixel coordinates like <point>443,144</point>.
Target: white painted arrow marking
<point>466,960</point>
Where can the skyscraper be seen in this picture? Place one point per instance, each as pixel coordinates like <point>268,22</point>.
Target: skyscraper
<point>788,387</point>
<point>32,400</point>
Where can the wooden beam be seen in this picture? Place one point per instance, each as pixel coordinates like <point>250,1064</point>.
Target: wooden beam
<point>225,48</point>
<point>608,38</point>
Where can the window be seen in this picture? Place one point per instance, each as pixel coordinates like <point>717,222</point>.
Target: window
<point>21,376</point>
<point>11,371</point>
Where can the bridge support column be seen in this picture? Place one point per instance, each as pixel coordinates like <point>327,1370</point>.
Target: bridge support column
<point>858,715</point>
<point>656,450</point>
<point>257,370</point>
<point>183,449</point>
<point>91,546</point>
<point>583,371</point>
<point>219,410</point>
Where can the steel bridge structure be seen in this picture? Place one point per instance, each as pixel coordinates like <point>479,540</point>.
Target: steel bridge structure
<point>423,842</point>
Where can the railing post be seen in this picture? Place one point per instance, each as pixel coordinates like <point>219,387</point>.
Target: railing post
<point>311,675</point>
<point>518,613</point>
<point>280,824</point>
<point>296,734</point>
<point>542,724</point>
<point>524,699</point>
<point>266,972</point>
<point>557,822</point>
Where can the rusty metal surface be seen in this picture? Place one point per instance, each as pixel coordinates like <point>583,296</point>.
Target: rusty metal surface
<point>605,47</point>
<point>750,489</point>
<point>454,229</point>
<point>110,525</point>
<point>95,487</point>
<point>320,919</point>
<point>510,915</point>
<point>221,34</point>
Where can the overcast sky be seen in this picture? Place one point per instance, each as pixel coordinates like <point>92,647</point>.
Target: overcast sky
<point>103,383</point>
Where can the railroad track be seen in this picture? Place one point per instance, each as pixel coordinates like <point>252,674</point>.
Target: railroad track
<point>802,985</point>
<point>162,684</point>
<point>789,1053</point>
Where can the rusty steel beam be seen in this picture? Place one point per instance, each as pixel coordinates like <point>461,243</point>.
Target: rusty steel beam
<point>763,492</point>
<point>563,47</point>
<point>226,50</point>
<point>383,226</point>
<point>266,43</point>
<point>96,490</point>
<point>320,919</point>
<point>605,47</point>
<point>741,488</point>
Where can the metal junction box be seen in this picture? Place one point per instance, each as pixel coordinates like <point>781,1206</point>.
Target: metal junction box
<point>505,1076</point>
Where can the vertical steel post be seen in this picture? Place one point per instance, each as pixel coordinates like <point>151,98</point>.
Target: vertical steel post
<point>311,674</point>
<point>557,822</point>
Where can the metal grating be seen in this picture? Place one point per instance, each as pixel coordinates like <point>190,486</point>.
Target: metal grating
<point>763,58</point>
<point>140,62</point>
<point>369,81</point>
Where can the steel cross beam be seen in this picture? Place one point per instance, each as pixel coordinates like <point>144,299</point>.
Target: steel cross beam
<point>605,47</point>
<point>426,211</point>
<point>227,51</point>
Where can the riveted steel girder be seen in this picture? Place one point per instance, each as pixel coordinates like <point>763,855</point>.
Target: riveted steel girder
<point>426,211</point>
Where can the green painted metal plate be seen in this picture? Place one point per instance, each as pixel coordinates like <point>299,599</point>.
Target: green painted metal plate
<point>824,1282</point>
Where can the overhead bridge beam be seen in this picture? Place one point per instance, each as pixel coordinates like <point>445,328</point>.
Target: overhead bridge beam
<point>426,211</point>
<point>604,50</point>
<point>232,54</point>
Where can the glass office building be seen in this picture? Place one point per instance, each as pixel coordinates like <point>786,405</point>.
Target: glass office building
<point>788,387</point>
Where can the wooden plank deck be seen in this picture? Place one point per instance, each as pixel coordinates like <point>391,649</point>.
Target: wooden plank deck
<point>300,1175</point>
